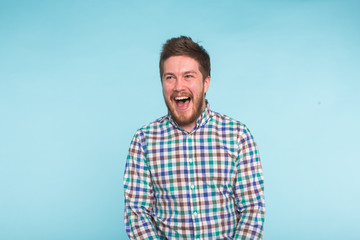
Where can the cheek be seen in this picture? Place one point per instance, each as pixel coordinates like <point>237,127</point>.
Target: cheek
<point>166,91</point>
<point>198,89</point>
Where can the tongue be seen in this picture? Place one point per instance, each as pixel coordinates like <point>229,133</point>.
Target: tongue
<point>183,104</point>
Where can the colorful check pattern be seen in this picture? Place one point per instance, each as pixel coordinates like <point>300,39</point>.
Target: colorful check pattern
<point>206,184</point>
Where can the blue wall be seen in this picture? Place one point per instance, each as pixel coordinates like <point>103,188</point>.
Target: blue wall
<point>77,78</point>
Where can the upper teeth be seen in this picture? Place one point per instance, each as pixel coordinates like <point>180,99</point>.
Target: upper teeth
<point>181,98</point>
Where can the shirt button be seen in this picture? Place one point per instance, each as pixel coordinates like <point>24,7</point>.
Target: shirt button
<point>192,186</point>
<point>195,214</point>
<point>190,160</point>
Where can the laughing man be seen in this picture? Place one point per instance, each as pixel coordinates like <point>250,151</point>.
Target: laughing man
<point>194,173</point>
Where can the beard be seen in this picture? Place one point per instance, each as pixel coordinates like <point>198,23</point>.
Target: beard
<point>186,118</point>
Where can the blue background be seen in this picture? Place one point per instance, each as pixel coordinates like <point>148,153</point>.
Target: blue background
<point>78,78</point>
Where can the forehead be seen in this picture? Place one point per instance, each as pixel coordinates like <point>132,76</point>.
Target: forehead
<point>180,64</point>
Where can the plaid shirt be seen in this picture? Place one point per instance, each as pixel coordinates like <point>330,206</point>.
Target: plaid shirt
<point>206,184</point>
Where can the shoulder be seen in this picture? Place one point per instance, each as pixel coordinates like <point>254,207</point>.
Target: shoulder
<point>228,122</point>
<point>233,133</point>
<point>152,127</point>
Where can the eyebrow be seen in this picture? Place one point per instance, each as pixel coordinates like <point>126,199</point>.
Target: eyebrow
<point>186,72</point>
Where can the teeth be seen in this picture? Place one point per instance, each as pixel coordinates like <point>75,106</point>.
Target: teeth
<point>181,98</point>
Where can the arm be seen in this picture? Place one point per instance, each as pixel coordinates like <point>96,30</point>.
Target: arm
<point>249,190</point>
<point>138,194</point>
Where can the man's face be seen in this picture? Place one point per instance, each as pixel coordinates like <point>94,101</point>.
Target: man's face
<point>184,90</point>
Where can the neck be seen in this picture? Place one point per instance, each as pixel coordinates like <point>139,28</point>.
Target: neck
<point>188,127</point>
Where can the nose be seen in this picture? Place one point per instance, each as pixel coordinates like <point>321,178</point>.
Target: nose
<point>179,85</point>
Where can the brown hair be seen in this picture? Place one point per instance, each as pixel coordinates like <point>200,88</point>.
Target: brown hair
<point>185,46</point>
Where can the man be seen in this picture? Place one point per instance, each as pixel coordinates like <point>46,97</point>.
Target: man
<point>194,173</point>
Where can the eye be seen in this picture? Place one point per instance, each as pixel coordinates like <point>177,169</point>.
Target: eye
<point>188,76</point>
<point>169,77</point>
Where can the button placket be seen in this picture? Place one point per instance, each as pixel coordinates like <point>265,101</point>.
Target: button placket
<point>192,186</point>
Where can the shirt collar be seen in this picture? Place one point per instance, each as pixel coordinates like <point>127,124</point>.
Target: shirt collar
<point>202,119</point>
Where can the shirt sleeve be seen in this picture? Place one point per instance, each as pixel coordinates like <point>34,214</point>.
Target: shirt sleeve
<point>139,222</point>
<point>249,190</point>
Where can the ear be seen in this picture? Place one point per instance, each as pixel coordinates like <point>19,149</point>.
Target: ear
<point>206,84</point>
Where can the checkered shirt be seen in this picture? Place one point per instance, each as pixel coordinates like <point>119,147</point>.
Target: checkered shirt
<point>206,184</point>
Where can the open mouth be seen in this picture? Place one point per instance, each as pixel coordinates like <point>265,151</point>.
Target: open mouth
<point>182,103</point>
